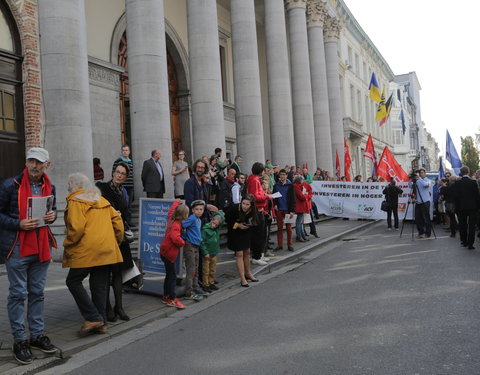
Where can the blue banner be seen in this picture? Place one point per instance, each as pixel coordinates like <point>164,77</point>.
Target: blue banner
<point>152,227</point>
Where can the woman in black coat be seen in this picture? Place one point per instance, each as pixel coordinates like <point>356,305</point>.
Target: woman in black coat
<point>240,219</point>
<point>115,193</point>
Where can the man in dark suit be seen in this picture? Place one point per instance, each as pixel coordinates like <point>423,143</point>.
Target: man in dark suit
<point>467,202</point>
<point>153,176</point>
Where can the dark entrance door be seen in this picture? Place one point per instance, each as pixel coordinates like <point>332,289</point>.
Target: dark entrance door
<point>12,138</point>
<point>125,99</point>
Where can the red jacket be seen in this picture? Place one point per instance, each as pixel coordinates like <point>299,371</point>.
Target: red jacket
<point>172,241</point>
<point>254,187</point>
<point>309,190</point>
<point>301,199</point>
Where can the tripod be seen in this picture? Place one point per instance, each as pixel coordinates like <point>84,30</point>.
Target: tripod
<point>412,201</point>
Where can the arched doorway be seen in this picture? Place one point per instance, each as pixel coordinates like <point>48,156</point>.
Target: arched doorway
<point>12,137</point>
<point>175,124</point>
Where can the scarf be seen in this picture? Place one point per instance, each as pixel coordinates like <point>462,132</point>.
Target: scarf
<point>36,241</point>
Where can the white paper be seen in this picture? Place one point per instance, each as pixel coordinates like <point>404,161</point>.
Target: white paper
<point>130,273</point>
<point>38,207</point>
<point>276,195</point>
<point>307,219</point>
<point>290,219</point>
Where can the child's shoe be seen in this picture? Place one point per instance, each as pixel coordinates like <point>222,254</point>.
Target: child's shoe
<point>207,288</point>
<point>213,287</point>
<point>193,297</point>
<point>165,300</point>
<point>176,303</point>
<point>200,292</point>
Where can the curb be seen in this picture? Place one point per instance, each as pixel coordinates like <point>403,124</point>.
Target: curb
<point>116,331</point>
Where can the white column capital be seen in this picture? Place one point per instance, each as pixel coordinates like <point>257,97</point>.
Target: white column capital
<point>332,29</point>
<point>316,13</point>
<point>293,4</point>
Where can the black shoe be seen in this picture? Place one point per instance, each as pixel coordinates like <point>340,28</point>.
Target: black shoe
<point>278,248</point>
<point>213,287</point>
<point>121,314</point>
<point>207,289</point>
<point>463,244</point>
<point>43,343</point>
<point>244,285</point>
<point>471,247</point>
<point>315,235</point>
<point>290,248</point>
<point>111,317</point>
<point>22,353</point>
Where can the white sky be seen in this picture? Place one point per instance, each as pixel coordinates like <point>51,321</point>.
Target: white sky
<point>439,40</point>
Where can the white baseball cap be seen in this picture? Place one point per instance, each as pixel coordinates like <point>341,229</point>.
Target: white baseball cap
<point>39,154</point>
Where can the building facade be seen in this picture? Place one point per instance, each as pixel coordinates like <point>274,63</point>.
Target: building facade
<point>266,79</point>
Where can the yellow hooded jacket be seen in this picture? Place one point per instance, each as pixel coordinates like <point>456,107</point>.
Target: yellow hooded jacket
<point>94,231</point>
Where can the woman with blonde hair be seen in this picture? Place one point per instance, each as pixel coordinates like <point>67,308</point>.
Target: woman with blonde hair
<point>94,232</point>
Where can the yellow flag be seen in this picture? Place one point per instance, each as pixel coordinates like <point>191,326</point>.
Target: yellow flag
<point>381,109</point>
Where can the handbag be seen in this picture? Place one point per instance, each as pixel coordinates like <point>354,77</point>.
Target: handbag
<point>385,206</point>
<point>128,233</point>
<point>133,277</point>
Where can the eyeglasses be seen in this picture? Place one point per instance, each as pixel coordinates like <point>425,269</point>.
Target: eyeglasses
<point>121,173</point>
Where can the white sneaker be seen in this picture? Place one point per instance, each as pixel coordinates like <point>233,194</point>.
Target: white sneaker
<point>269,254</point>
<point>259,262</point>
<point>266,259</point>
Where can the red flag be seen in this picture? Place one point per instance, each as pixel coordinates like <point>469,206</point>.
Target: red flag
<point>348,160</point>
<point>370,153</point>
<point>389,168</point>
<point>337,166</point>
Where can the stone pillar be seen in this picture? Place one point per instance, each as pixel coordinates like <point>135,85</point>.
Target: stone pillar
<point>66,99</point>
<point>148,85</point>
<point>246,81</point>
<point>279,89</point>
<point>205,77</point>
<point>316,15</point>
<point>331,35</point>
<point>301,84</point>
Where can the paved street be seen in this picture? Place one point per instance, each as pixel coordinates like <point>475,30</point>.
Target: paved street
<point>371,304</point>
<point>63,320</point>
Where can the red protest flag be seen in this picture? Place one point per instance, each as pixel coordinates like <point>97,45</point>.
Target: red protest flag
<point>348,160</point>
<point>389,168</point>
<point>337,166</point>
<point>370,153</point>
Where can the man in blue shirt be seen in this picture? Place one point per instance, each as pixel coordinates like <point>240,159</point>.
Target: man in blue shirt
<point>422,207</point>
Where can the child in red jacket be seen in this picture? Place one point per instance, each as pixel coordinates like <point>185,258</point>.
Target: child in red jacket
<point>169,249</point>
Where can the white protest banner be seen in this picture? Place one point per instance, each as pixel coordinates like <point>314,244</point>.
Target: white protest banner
<point>358,200</point>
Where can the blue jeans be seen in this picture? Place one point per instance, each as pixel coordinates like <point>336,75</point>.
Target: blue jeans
<point>299,227</point>
<point>27,277</point>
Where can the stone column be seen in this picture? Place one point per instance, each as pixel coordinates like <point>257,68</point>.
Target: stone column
<point>205,77</point>
<point>316,15</point>
<point>279,89</point>
<point>148,85</point>
<point>301,84</point>
<point>66,99</point>
<point>331,35</point>
<point>246,80</point>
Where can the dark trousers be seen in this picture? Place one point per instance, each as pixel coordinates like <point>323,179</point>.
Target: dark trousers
<point>453,223</point>
<point>466,226</point>
<point>154,195</point>
<point>393,210</point>
<point>169,290</point>
<point>313,228</point>
<point>92,309</point>
<point>422,218</point>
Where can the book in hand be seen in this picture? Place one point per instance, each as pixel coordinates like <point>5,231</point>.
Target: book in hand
<point>38,207</point>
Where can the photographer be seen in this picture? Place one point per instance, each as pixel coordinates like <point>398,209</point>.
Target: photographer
<point>421,188</point>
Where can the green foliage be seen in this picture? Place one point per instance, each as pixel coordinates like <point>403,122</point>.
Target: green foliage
<point>470,156</point>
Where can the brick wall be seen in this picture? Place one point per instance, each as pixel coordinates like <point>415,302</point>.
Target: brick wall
<point>25,13</point>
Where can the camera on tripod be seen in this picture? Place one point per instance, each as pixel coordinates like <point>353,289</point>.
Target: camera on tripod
<point>414,175</point>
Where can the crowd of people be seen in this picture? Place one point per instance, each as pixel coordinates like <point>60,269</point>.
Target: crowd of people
<point>213,191</point>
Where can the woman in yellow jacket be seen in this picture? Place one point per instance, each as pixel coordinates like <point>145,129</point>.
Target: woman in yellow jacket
<point>94,231</point>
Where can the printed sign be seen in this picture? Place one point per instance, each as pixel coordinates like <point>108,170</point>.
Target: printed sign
<point>152,227</point>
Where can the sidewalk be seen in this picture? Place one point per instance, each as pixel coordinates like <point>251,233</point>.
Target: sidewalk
<point>63,320</point>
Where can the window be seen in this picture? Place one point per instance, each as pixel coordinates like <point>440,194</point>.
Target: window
<point>352,102</point>
<point>223,68</point>
<point>357,65</point>
<point>359,106</point>
<point>365,76</point>
<point>6,40</point>
<point>350,55</point>
<point>7,112</point>
<point>398,138</point>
